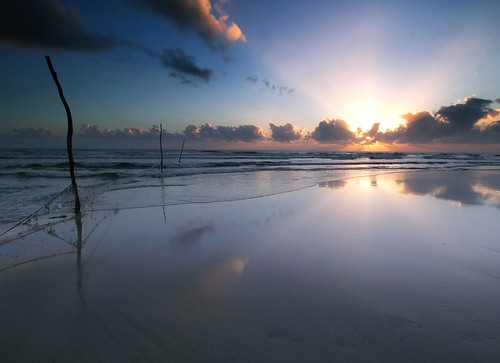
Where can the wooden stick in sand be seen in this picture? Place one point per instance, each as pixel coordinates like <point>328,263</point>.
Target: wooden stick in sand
<point>69,138</point>
<point>161,150</point>
<point>182,149</point>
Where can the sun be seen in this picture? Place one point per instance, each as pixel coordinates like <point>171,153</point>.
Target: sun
<point>363,113</point>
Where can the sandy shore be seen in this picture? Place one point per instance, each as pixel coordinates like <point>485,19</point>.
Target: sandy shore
<point>395,267</point>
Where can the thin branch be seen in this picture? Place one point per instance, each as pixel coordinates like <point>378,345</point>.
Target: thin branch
<point>69,137</point>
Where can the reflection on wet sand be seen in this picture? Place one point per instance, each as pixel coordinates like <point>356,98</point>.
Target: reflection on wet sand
<point>334,184</point>
<point>79,265</point>
<point>189,234</point>
<point>372,269</point>
<point>464,187</point>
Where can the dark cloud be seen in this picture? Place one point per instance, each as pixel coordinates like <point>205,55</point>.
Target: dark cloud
<point>285,133</point>
<point>184,66</point>
<point>474,121</point>
<point>423,127</point>
<point>463,116</point>
<point>31,137</point>
<point>369,137</point>
<point>89,131</point>
<point>252,79</point>
<point>197,16</point>
<point>34,132</point>
<point>274,88</point>
<point>47,24</point>
<point>490,134</point>
<point>207,132</point>
<point>332,131</point>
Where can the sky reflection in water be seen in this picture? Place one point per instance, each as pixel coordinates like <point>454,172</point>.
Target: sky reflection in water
<point>384,266</point>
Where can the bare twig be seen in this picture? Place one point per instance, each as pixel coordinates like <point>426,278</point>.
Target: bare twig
<point>182,149</point>
<point>69,138</point>
<point>161,150</point>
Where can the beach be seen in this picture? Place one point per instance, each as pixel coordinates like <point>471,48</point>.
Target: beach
<point>399,266</point>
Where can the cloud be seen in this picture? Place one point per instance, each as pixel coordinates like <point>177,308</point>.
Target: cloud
<point>285,133</point>
<point>89,131</point>
<point>207,132</point>
<point>332,131</point>
<point>184,66</point>
<point>369,137</point>
<point>47,24</point>
<point>252,79</point>
<point>31,137</point>
<point>274,88</point>
<point>463,116</point>
<point>471,121</point>
<point>197,16</point>
<point>35,132</point>
<point>423,127</point>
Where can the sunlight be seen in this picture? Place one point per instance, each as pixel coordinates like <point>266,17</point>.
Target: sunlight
<point>361,115</point>
<point>364,112</point>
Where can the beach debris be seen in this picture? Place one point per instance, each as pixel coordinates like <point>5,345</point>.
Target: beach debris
<point>182,149</point>
<point>161,150</point>
<point>69,137</point>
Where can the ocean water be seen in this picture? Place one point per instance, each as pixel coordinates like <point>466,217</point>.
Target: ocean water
<point>36,182</point>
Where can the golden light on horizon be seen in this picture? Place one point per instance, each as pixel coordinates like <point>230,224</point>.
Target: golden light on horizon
<point>363,113</point>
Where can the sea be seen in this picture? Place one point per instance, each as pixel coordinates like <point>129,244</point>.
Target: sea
<point>36,181</point>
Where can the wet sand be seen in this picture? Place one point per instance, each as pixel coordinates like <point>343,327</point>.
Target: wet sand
<point>395,267</point>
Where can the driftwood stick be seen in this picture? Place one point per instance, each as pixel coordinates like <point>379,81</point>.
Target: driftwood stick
<point>182,149</point>
<point>69,137</point>
<point>161,150</point>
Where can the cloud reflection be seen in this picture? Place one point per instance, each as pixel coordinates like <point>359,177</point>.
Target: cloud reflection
<point>333,184</point>
<point>464,187</point>
<point>190,235</point>
<point>467,187</point>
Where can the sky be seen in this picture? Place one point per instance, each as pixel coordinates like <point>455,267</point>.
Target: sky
<point>337,75</point>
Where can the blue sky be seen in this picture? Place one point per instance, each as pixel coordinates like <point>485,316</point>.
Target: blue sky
<point>316,70</point>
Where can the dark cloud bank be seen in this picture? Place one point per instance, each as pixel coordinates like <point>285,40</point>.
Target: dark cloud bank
<point>198,17</point>
<point>49,25</point>
<point>474,121</point>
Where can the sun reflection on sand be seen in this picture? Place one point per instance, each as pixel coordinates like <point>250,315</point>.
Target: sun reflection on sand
<point>238,265</point>
<point>491,195</point>
<point>468,188</point>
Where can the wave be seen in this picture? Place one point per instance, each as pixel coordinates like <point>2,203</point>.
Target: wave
<point>108,164</point>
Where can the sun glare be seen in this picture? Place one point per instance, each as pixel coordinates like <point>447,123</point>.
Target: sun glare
<point>363,114</point>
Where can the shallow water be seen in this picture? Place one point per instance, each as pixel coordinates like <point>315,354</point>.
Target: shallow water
<point>31,178</point>
<point>392,267</point>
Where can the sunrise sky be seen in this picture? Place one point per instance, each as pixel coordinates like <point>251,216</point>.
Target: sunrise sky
<point>250,74</point>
